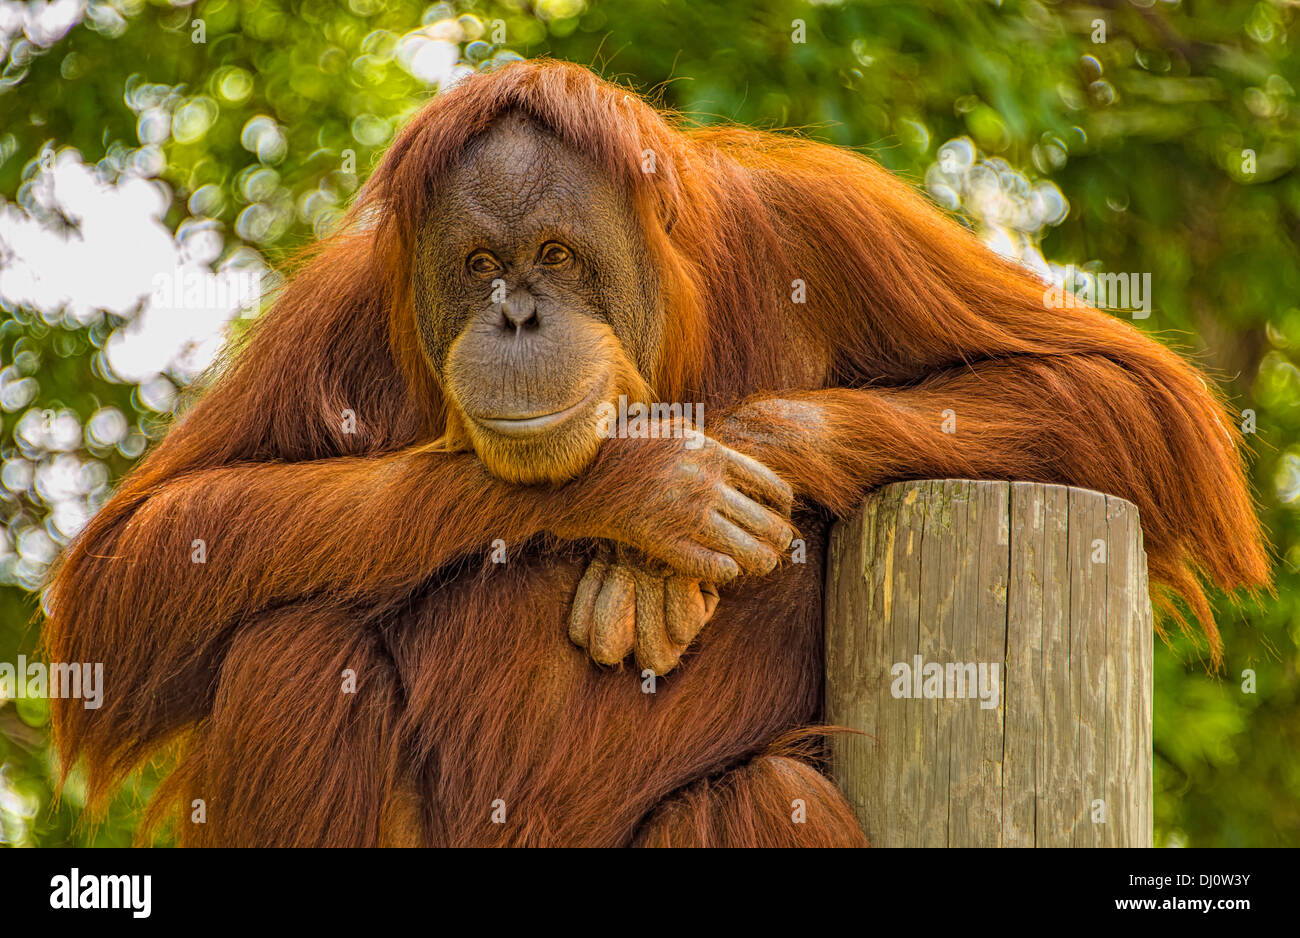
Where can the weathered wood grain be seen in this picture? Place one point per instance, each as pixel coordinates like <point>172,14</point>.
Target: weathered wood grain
<point>1041,586</point>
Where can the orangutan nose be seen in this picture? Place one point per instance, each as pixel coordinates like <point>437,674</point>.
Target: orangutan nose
<point>519,311</point>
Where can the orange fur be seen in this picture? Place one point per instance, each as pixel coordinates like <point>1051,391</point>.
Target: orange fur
<point>329,550</point>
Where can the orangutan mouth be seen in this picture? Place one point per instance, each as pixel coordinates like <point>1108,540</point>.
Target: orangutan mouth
<point>523,425</point>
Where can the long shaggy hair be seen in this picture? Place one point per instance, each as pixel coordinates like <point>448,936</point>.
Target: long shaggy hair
<point>906,315</point>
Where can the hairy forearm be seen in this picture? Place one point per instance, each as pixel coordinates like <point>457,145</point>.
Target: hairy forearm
<point>1154,436</point>
<point>191,552</point>
<point>198,548</point>
<point>835,445</point>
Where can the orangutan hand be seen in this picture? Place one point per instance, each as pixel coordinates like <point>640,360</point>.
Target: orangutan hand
<point>626,603</point>
<point>706,511</point>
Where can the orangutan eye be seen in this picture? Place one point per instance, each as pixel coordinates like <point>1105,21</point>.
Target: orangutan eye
<point>482,262</point>
<point>555,254</point>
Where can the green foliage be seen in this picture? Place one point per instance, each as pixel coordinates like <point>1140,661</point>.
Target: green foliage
<point>1175,141</point>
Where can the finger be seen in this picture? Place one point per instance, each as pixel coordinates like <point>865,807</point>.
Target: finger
<point>584,602</point>
<point>688,605</point>
<point>697,562</point>
<point>749,514</point>
<point>711,596</point>
<point>654,650</point>
<point>630,556</point>
<point>613,621</point>
<point>759,482</point>
<point>754,558</point>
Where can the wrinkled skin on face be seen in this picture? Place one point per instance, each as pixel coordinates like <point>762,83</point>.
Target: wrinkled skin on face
<point>535,301</point>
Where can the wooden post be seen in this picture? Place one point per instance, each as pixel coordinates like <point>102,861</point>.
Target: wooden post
<point>1041,591</point>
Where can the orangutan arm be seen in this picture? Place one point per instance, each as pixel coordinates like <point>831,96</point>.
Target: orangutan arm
<point>1153,435</point>
<point>199,548</point>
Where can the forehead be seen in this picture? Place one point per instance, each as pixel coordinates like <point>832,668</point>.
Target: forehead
<point>517,172</point>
